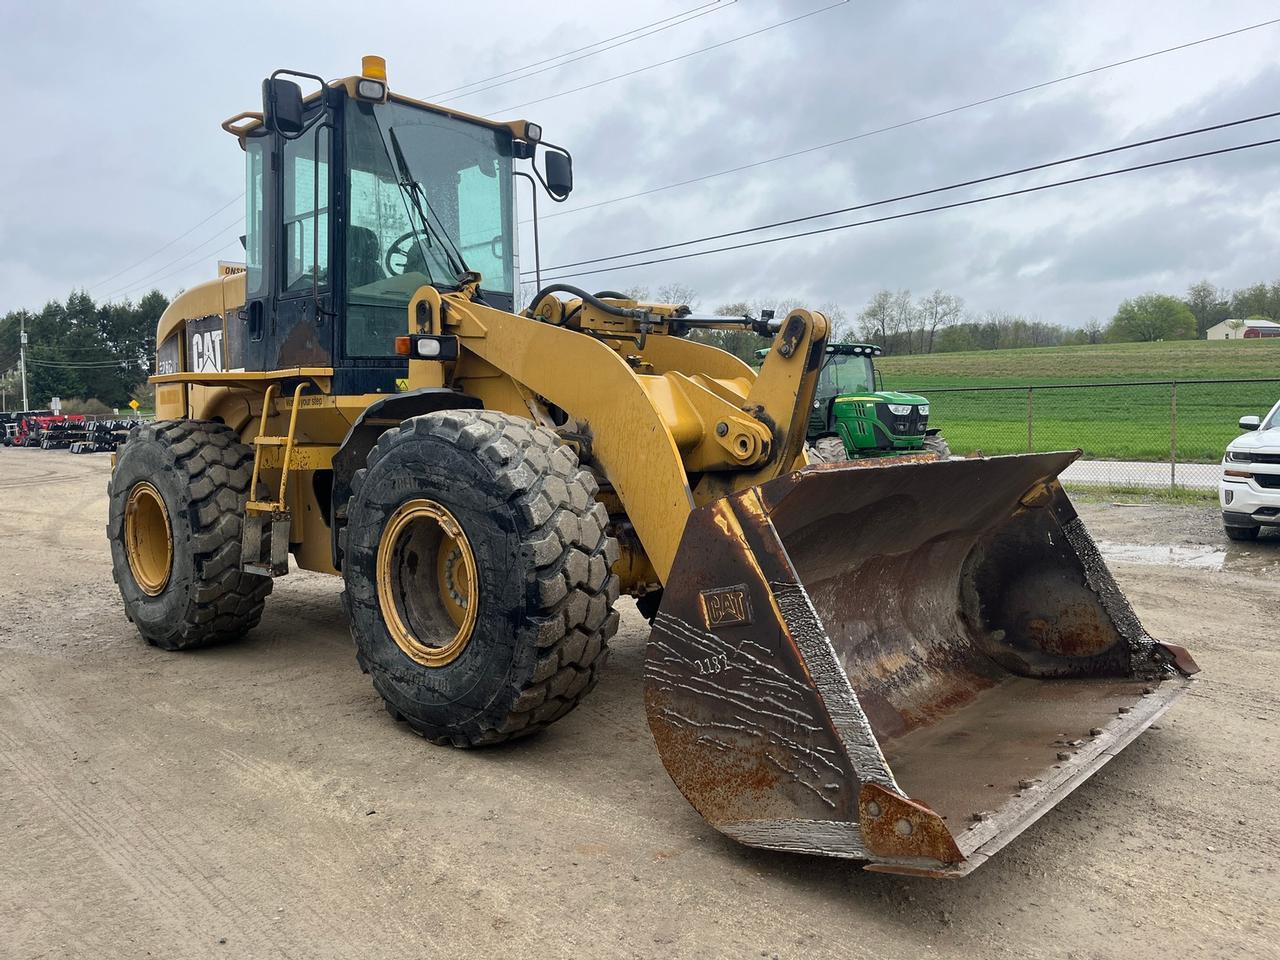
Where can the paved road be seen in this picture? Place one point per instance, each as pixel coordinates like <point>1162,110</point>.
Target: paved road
<point>1197,476</point>
<point>160,804</point>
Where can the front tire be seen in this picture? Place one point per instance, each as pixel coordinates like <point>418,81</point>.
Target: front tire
<point>828,450</point>
<point>936,443</point>
<point>477,574</point>
<point>177,499</point>
<point>1241,533</point>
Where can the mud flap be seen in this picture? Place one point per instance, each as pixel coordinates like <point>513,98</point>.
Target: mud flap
<point>905,662</point>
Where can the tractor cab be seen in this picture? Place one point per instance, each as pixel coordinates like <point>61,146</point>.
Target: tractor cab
<point>852,418</point>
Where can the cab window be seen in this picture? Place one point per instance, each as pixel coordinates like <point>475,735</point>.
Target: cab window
<point>254,196</point>
<point>305,211</point>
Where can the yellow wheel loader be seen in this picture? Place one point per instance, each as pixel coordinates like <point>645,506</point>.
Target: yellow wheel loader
<point>902,661</point>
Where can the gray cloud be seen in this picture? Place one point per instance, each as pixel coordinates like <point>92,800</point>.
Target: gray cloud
<point>115,147</point>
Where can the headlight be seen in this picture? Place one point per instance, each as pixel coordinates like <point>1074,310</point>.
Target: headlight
<point>900,409</point>
<point>924,409</point>
<point>1236,456</point>
<point>371,89</point>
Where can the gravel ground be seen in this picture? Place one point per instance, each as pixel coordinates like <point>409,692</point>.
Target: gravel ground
<point>255,800</point>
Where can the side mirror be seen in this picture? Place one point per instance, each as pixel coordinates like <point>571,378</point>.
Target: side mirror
<point>282,106</point>
<point>1250,423</point>
<point>559,174</point>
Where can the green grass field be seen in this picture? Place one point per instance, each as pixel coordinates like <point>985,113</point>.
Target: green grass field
<point>1123,423</point>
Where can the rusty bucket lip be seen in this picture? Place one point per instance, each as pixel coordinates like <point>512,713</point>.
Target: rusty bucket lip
<point>982,840</point>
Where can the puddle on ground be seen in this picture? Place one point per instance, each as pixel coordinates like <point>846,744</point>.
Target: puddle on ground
<point>1196,557</point>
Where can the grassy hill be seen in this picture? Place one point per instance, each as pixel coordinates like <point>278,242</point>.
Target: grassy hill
<point>1104,362</point>
<point>1126,423</point>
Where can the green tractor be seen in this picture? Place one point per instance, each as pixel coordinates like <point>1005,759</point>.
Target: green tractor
<point>851,419</point>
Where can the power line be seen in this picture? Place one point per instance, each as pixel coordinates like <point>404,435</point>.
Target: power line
<point>689,15</point>
<point>916,213</point>
<point>683,56</point>
<point>921,193</point>
<point>167,245</point>
<point>906,123</point>
<point>152,277</point>
<point>104,365</point>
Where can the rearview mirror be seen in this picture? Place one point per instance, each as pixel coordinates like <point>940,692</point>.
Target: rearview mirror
<point>282,106</point>
<point>1250,423</point>
<point>559,174</point>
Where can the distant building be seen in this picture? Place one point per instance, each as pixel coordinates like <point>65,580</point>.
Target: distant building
<point>1242,330</point>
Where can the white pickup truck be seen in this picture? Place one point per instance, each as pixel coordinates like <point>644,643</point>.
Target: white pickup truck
<point>1250,486</point>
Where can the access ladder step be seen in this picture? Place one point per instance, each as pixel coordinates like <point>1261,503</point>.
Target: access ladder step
<point>264,545</point>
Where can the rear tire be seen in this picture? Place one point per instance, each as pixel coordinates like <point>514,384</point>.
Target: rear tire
<point>184,481</point>
<point>1241,533</point>
<point>936,443</point>
<point>525,636</point>
<point>829,450</point>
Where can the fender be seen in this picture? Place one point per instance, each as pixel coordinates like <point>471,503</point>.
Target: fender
<point>373,421</point>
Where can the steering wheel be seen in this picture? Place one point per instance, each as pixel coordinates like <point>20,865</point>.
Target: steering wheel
<point>403,247</point>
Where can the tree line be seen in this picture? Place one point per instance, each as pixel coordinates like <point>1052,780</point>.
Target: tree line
<point>939,323</point>
<point>80,350</point>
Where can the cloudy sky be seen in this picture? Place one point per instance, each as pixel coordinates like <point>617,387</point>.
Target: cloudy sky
<point>114,151</point>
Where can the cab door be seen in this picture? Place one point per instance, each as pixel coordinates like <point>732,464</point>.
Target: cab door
<point>303,327</point>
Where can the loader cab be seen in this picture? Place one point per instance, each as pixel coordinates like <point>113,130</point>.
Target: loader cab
<point>355,198</point>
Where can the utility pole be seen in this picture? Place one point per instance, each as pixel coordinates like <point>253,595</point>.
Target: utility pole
<point>22,362</point>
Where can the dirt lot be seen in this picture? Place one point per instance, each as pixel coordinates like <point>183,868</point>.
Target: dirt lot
<point>256,801</point>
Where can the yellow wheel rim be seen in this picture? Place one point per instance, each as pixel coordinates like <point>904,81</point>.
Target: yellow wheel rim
<point>427,583</point>
<point>148,539</point>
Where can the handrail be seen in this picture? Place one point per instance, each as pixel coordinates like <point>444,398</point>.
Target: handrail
<point>242,131</point>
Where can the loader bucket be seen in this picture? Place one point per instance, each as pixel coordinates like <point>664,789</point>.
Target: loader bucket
<point>903,662</point>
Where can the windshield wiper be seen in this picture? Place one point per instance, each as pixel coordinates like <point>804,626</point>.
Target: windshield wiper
<point>441,236</point>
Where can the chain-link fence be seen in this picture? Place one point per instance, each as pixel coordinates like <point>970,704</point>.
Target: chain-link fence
<point>1165,433</point>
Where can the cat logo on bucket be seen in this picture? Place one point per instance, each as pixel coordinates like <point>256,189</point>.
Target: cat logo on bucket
<point>726,606</point>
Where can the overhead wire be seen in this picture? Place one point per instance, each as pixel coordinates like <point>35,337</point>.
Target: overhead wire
<point>166,246</point>
<point>932,190</point>
<point>671,60</point>
<point>189,258</point>
<point>915,213</point>
<point>914,120</point>
<point>695,14</point>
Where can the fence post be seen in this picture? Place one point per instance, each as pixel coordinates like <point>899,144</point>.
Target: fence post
<point>1030,445</point>
<point>1173,436</point>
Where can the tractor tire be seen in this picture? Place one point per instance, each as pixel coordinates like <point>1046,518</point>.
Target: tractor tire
<point>478,579</point>
<point>936,443</point>
<point>828,450</point>
<point>1241,533</point>
<point>176,510</point>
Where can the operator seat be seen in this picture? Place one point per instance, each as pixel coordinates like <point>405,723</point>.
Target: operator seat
<point>364,256</point>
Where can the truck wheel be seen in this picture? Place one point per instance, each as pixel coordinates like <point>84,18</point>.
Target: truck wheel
<point>1241,533</point>
<point>828,450</point>
<point>478,576</point>
<point>176,508</point>
<point>936,443</point>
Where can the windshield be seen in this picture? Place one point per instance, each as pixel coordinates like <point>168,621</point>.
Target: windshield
<point>429,197</point>
<point>1273,419</point>
<point>846,374</point>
